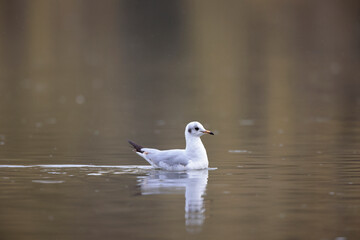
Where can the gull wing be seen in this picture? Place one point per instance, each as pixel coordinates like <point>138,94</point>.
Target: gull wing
<point>168,157</point>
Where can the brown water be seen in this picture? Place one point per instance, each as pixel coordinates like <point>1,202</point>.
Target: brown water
<point>278,83</point>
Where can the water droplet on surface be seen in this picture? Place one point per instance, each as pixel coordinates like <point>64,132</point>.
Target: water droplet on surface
<point>39,87</point>
<point>340,238</point>
<point>160,122</point>
<point>80,99</point>
<point>246,122</point>
<point>237,151</point>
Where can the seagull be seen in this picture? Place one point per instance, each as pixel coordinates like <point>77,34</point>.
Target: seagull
<point>192,157</point>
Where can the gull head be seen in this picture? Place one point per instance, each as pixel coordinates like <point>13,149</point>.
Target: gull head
<point>196,129</point>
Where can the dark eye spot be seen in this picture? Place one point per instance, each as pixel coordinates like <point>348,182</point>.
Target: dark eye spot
<point>196,128</point>
<point>189,130</point>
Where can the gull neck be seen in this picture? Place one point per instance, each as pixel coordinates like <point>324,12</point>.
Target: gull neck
<point>193,143</point>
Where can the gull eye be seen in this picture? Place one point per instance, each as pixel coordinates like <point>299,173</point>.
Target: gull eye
<point>196,128</point>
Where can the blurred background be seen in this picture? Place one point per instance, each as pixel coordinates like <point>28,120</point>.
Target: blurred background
<point>272,79</point>
<point>77,74</point>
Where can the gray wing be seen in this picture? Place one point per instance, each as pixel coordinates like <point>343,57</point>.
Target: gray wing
<point>170,157</point>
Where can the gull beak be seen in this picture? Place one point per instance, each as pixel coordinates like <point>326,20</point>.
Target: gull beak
<point>209,132</point>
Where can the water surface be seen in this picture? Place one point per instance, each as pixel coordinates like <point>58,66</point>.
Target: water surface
<point>277,82</point>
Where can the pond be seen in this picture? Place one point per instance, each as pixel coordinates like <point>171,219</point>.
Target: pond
<point>267,189</point>
<point>277,83</point>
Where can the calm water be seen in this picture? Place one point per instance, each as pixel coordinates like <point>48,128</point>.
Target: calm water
<point>279,186</point>
<point>278,84</point>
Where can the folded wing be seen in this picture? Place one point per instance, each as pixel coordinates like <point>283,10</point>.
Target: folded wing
<point>169,157</point>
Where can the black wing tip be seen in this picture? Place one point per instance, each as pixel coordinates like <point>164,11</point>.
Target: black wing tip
<point>136,146</point>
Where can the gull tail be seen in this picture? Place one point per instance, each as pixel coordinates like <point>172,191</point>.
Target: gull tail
<point>136,147</point>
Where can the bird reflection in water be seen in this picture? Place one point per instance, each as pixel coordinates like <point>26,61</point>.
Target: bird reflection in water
<point>192,183</point>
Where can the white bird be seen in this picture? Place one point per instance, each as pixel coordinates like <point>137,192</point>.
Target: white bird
<point>192,157</point>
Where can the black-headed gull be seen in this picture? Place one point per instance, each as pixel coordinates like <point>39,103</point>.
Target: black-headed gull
<point>192,157</point>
